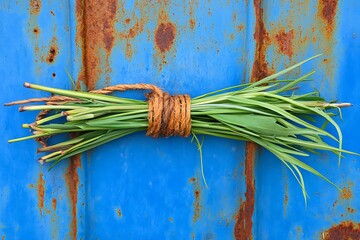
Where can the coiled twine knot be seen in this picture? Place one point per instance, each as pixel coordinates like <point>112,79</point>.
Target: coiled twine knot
<point>167,115</point>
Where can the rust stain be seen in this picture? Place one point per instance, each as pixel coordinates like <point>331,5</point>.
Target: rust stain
<point>261,36</point>
<point>240,27</point>
<point>171,219</point>
<point>197,198</point>
<point>344,231</point>
<point>243,225</point>
<point>95,32</point>
<point>118,212</point>
<point>327,11</point>
<point>129,50</point>
<point>133,31</point>
<point>53,51</point>
<point>192,23</point>
<point>52,13</point>
<point>346,193</point>
<point>53,203</point>
<point>36,31</point>
<point>41,192</point>
<point>350,210</point>
<point>165,36</point>
<point>284,42</point>
<point>72,181</point>
<point>35,7</point>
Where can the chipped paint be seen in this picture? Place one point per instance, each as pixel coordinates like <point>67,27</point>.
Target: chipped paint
<point>345,230</point>
<point>72,181</point>
<point>243,224</point>
<point>197,198</point>
<point>41,192</point>
<point>284,42</point>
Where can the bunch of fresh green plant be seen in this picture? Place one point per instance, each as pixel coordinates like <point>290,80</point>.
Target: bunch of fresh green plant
<point>267,112</point>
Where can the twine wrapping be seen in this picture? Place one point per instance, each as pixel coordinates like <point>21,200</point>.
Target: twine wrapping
<point>167,115</point>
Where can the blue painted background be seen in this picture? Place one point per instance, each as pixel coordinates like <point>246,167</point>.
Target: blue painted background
<point>143,188</point>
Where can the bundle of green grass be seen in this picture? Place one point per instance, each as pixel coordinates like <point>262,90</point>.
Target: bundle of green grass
<point>267,112</point>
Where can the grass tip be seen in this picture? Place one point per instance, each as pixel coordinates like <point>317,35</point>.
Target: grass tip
<point>41,161</point>
<point>21,109</point>
<point>27,85</point>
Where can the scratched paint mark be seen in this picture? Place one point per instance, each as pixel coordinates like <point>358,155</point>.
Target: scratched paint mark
<point>284,41</point>
<point>72,182</point>
<point>41,192</point>
<point>197,199</point>
<point>243,224</point>
<point>344,231</point>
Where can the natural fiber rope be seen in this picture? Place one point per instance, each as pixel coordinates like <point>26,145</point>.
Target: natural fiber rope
<point>167,115</point>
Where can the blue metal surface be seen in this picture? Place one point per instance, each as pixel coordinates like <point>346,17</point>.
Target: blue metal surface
<point>143,188</point>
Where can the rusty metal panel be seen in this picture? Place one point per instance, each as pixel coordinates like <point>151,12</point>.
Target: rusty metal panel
<point>143,188</point>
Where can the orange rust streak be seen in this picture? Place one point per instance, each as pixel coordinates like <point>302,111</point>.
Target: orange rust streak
<point>41,192</point>
<point>261,36</point>
<point>197,196</point>
<point>243,225</point>
<point>284,42</point>
<point>53,203</point>
<point>327,11</point>
<point>344,230</point>
<point>72,181</point>
<point>96,20</point>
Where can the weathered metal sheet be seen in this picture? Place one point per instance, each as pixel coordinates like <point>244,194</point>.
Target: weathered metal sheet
<point>143,188</point>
